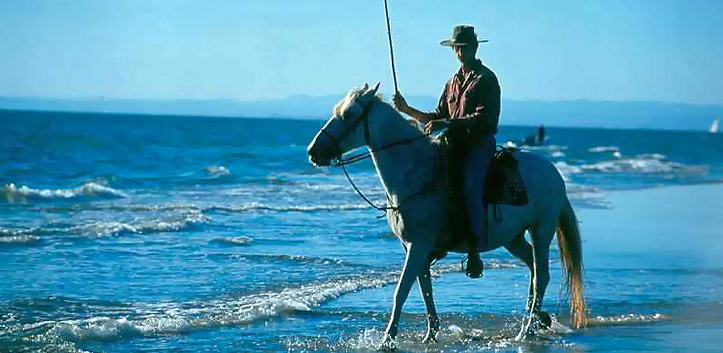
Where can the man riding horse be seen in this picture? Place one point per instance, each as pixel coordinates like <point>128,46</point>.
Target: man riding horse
<point>469,107</point>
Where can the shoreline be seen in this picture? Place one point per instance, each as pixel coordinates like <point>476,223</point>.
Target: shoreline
<point>656,220</point>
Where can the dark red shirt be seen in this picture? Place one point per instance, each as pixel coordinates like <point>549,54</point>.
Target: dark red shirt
<point>474,95</point>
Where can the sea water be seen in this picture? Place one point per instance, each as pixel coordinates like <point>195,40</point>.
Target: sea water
<point>190,234</point>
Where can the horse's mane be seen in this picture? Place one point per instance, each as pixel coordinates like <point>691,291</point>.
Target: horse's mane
<point>343,104</point>
<point>354,93</point>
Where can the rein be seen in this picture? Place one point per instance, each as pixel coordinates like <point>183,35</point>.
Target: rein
<point>385,208</point>
<point>343,162</point>
<point>340,162</point>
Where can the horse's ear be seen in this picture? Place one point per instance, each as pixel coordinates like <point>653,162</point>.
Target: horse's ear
<point>375,88</point>
<point>365,88</point>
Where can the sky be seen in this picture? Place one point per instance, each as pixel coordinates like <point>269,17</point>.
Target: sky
<point>623,50</point>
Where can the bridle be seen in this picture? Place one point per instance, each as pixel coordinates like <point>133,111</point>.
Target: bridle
<point>342,162</point>
<point>363,118</point>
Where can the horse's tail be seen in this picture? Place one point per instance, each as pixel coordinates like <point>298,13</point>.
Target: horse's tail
<point>570,245</point>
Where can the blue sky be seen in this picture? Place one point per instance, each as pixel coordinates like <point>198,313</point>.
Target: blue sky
<point>661,50</point>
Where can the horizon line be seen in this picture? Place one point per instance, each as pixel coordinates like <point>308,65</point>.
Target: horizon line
<point>170,100</point>
<point>318,118</point>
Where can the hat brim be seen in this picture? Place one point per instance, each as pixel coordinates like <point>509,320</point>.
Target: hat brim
<point>452,43</point>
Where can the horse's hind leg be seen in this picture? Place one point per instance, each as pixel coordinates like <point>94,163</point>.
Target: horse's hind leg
<point>425,287</point>
<point>521,249</point>
<point>542,235</point>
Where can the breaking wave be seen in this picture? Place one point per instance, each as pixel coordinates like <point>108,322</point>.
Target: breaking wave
<point>20,239</point>
<point>640,164</point>
<point>256,206</point>
<point>235,241</point>
<point>121,208</point>
<point>217,170</point>
<point>104,228</point>
<point>89,190</point>
<point>652,163</point>
<point>174,318</point>
<point>248,207</point>
<point>272,258</point>
<point>599,149</point>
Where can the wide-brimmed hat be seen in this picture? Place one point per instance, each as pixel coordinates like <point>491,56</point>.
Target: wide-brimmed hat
<point>462,35</point>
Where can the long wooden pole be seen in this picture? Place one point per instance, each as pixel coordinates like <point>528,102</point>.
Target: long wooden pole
<point>391,48</point>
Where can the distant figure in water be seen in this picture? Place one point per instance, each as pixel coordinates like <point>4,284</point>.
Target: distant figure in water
<point>469,107</point>
<point>536,140</point>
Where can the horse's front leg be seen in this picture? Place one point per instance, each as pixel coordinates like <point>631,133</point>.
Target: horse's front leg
<point>415,260</point>
<point>425,287</point>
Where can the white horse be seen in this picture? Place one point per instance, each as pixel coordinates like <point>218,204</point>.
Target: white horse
<point>420,218</point>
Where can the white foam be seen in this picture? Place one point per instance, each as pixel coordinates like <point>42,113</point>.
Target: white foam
<point>636,165</point>
<point>604,149</point>
<point>105,228</point>
<point>119,207</point>
<point>642,164</point>
<point>294,258</point>
<point>6,232</point>
<point>325,187</point>
<point>177,222</point>
<point>256,206</point>
<point>18,239</point>
<point>550,148</point>
<point>239,240</point>
<point>171,318</point>
<point>651,156</point>
<point>456,331</point>
<point>626,319</point>
<point>217,170</point>
<point>91,189</point>
<point>566,169</point>
<point>367,340</point>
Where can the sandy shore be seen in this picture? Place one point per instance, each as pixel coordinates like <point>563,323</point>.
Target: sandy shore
<point>671,227</point>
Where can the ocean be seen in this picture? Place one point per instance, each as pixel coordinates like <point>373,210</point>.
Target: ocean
<point>131,233</point>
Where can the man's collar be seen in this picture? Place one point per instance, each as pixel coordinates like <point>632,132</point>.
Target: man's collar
<point>475,67</point>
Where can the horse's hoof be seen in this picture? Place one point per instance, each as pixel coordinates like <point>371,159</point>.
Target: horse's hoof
<point>387,344</point>
<point>432,331</point>
<point>545,320</point>
<point>430,338</point>
<point>526,332</point>
<point>524,336</point>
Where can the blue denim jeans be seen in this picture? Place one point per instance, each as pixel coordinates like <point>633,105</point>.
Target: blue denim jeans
<point>476,164</point>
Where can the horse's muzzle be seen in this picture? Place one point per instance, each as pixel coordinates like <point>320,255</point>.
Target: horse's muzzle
<point>316,158</point>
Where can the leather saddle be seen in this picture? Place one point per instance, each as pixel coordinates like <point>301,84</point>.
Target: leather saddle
<point>503,182</point>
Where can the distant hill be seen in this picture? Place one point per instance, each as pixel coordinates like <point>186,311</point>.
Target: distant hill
<point>607,114</point>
